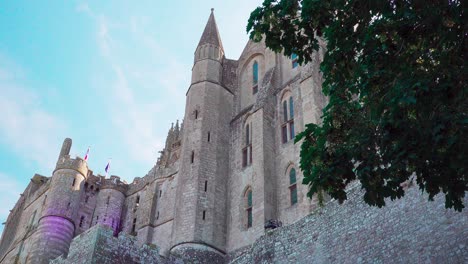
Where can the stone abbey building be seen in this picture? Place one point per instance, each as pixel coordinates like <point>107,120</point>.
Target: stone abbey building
<point>226,172</point>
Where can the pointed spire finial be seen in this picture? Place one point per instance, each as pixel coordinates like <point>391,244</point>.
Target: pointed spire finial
<point>210,34</point>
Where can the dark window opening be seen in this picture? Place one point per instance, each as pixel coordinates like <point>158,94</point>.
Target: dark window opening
<point>255,77</point>
<point>244,157</point>
<point>157,216</point>
<point>206,185</point>
<point>291,129</point>
<point>284,133</point>
<point>134,225</point>
<point>81,221</point>
<point>73,183</point>
<point>196,114</point>
<point>160,193</point>
<point>86,199</point>
<point>288,121</point>
<point>193,156</point>
<point>249,208</point>
<point>86,185</point>
<point>137,199</point>
<point>208,136</point>
<point>285,111</point>
<point>92,187</point>
<point>291,108</point>
<point>293,186</point>
<point>97,189</point>
<point>204,215</point>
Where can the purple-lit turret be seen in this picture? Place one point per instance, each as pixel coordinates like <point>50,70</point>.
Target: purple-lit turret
<point>110,202</point>
<point>56,227</point>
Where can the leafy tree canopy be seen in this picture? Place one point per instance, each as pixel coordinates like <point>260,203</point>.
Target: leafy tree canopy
<point>395,75</point>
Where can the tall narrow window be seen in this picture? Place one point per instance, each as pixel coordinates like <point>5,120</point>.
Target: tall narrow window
<point>248,208</point>
<point>82,221</point>
<point>160,193</point>
<point>206,186</point>
<point>157,216</point>
<point>247,150</point>
<point>209,136</point>
<point>193,156</point>
<point>294,59</point>
<point>73,183</point>
<point>255,77</point>
<point>137,201</point>
<point>134,225</point>
<point>204,213</point>
<point>292,186</point>
<point>195,114</point>
<point>247,134</point>
<point>285,111</point>
<point>288,120</point>
<point>291,108</point>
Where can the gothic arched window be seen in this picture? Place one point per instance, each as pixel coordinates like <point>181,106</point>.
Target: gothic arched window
<point>287,126</point>
<point>292,186</point>
<point>248,208</point>
<point>255,77</point>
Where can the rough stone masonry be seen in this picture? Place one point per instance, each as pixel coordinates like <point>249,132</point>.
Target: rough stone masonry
<point>230,168</point>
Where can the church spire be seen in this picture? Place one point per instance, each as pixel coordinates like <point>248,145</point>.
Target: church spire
<point>210,34</point>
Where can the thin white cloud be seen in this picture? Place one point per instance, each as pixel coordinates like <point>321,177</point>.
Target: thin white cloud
<point>26,127</point>
<point>134,116</point>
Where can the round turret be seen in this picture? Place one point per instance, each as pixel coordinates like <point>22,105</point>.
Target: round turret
<point>57,225</point>
<point>110,202</point>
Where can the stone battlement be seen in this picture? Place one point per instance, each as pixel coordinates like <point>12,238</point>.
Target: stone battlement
<point>77,164</point>
<point>114,183</point>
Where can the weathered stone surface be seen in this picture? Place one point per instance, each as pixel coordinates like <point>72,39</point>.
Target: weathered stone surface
<point>98,245</point>
<point>236,139</point>
<point>409,230</point>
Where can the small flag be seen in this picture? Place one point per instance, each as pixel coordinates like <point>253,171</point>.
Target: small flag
<point>87,155</point>
<point>107,167</point>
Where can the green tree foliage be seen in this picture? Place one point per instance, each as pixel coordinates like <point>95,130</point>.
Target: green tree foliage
<point>395,75</point>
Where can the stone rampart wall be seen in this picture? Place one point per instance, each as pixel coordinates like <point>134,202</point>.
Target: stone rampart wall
<point>409,230</point>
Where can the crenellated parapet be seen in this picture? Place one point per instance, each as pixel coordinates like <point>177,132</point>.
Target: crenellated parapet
<point>114,183</point>
<point>76,164</point>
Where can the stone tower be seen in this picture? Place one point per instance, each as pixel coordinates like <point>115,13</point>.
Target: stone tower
<point>200,216</point>
<point>110,203</point>
<point>56,227</point>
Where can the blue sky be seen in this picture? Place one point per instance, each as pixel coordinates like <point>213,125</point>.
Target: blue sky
<point>110,75</point>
